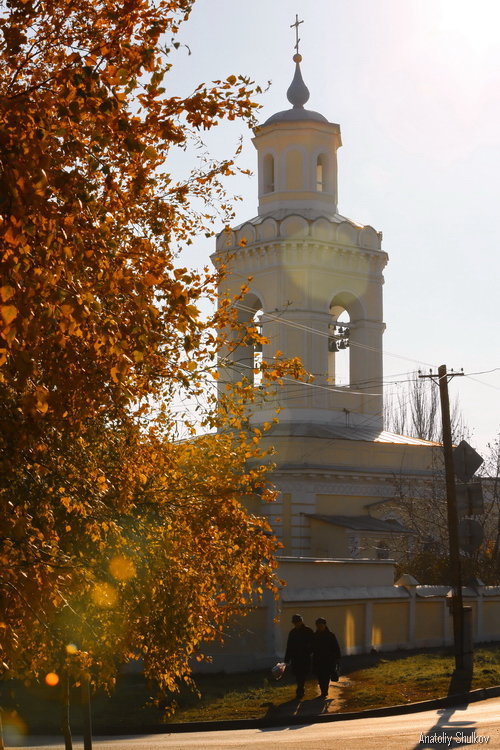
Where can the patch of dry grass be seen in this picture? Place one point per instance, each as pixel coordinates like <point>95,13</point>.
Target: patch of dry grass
<point>417,678</point>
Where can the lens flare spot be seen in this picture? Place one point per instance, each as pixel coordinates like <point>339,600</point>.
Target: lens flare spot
<point>51,679</point>
<point>14,729</point>
<point>122,568</point>
<point>104,595</point>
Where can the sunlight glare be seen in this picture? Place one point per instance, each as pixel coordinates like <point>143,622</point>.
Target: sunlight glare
<point>14,729</point>
<point>474,25</point>
<point>122,568</point>
<point>104,595</point>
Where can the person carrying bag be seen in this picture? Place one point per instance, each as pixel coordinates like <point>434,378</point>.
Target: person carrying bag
<point>326,656</point>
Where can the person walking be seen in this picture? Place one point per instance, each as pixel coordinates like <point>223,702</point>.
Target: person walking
<point>298,652</point>
<point>325,655</point>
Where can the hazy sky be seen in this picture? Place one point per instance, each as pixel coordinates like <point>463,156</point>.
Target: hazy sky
<point>415,87</point>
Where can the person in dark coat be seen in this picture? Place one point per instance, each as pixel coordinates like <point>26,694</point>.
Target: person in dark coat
<point>325,654</point>
<point>298,652</point>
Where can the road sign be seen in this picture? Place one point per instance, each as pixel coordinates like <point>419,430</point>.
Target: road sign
<point>470,535</point>
<point>469,499</point>
<point>466,461</point>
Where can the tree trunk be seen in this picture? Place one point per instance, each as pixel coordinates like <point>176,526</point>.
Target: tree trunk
<point>65,724</point>
<point>87,716</point>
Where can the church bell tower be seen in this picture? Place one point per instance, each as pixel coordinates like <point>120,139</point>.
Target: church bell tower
<point>316,276</point>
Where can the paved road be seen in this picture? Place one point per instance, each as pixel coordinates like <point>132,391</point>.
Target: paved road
<point>477,725</point>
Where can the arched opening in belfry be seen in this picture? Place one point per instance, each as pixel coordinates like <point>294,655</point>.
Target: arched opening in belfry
<point>321,173</point>
<point>247,356</point>
<point>257,349</point>
<point>268,172</point>
<point>338,347</point>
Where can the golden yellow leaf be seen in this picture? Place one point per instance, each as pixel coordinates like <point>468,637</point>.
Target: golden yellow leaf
<point>6,292</point>
<point>11,238</point>
<point>42,406</point>
<point>8,313</point>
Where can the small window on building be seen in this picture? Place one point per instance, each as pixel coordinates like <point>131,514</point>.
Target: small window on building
<point>268,173</point>
<point>320,173</point>
<point>382,550</point>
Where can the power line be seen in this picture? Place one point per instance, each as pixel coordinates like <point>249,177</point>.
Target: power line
<point>484,372</point>
<point>331,389</point>
<point>481,382</point>
<point>325,334</point>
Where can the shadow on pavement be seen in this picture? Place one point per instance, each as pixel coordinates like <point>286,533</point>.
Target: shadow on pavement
<point>447,732</point>
<point>295,709</point>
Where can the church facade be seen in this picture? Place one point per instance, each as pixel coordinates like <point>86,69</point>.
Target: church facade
<point>314,282</point>
<point>316,291</point>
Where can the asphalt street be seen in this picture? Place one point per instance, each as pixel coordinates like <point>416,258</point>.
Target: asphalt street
<point>476,725</point>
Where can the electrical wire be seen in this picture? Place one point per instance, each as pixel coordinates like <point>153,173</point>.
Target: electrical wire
<point>484,372</point>
<point>331,389</point>
<point>325,334</point>
<point>481,382</point>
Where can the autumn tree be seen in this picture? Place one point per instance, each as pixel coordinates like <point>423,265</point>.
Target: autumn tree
<point>414,410</point>
<point>490,478</point>
<point>115,541</point>
<point>426,555</point>
<point>421,504</point>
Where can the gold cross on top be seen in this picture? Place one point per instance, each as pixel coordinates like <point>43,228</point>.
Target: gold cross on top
<point>296,25</point>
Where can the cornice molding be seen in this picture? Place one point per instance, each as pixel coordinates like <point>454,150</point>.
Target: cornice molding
<point>296,226</point>
<point>350,260</point>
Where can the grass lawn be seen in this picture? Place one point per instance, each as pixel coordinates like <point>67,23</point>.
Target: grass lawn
<point>416,678</point>
<point>369,682</point>
<point>384,681</point>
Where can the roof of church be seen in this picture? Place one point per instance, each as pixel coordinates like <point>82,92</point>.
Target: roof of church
<point>362,523</point>
<point>296,114</point>
<point>333,431</point>
<point>297,95</point>
<point>310,214</point>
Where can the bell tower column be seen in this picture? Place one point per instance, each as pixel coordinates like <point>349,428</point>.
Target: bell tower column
<point>316,276</point>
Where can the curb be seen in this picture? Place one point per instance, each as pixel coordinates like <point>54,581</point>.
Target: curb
<point>211,726</point>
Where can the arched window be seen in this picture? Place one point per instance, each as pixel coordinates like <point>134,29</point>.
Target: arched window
<point>338,347</point>
<point>246,357</point>
<point>268,173</point>
<point>321,173</point>
<point>257,350</point>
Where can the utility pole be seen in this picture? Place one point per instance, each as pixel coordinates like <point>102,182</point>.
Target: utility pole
<point>443,377</point>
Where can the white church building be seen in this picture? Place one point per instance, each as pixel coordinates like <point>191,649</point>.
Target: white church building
<point>316,290</point>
